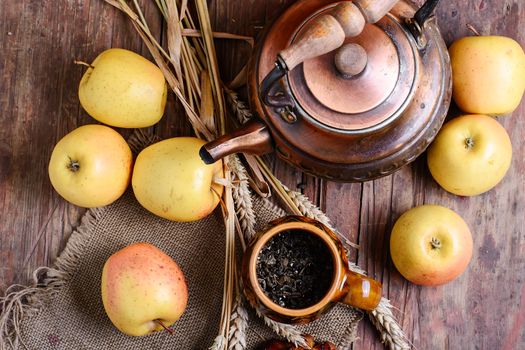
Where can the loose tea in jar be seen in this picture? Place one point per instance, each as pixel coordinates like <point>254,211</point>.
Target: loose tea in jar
<point>295,269</point>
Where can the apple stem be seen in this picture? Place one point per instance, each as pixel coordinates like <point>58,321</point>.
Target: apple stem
<point>84,64</point>
<point>469,142</point>
<point>73,165</point>
<point>473,30</point>
<point>435,243</point>
<point>167,329</point>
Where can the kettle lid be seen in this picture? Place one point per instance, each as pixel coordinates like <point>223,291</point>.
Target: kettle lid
<point>365,100</point>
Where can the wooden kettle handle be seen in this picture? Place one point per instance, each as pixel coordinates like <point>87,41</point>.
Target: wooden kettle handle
<point>328,32</point>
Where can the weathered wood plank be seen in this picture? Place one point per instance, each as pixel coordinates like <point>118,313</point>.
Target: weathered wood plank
<point>40,90</point>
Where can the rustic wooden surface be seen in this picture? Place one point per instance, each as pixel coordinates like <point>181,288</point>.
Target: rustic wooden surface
<point>483,309</point>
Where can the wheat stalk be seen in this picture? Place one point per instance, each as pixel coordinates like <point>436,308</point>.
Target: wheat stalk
<point>289,332</point>
<point>219,35</point>
<point>211,59</point>
<point>229,265</point>
<point>229,211</point>
<point>238,325</point>
<point>239,108</point>
<point>219,343</point>
<point>243,199</point>
<point>383,319</point>
<point>308,209</point>
<point>390,331</point>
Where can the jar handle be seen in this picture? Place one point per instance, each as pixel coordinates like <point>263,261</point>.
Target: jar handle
<point>361,291</point>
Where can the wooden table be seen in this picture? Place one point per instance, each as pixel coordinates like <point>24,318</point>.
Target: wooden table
<point>483,309</point>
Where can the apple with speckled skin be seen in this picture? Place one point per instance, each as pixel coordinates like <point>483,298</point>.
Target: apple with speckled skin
<point>121,88</point>
<point>171,180</point>
<point>488,74</point>
<point>143,290</point>
<point>91,166</point>
<point>431,245</point>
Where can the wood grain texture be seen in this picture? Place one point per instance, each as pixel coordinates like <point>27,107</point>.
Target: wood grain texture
<point>483,309</point>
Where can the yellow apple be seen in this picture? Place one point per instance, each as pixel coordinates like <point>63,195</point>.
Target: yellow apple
<point>143,289</point>
<point>488,74</point>
<point>91,166</point>
<point>430,245</point>
<point>171,180</point>
<point>123,89</point>
<point>470,155</point>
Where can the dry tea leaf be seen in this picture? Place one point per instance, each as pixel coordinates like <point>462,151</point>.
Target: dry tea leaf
<point>295,269</point>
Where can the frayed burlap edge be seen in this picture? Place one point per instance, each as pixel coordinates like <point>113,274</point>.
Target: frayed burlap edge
<point>26,301</point>
<point>20,301</point>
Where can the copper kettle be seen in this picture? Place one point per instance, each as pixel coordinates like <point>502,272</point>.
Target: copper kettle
<point>345,90</point>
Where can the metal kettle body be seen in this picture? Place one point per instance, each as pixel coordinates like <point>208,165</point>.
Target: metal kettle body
<point>331,123</point>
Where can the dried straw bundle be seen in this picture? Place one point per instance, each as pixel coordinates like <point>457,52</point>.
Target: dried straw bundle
<point>190,68</point>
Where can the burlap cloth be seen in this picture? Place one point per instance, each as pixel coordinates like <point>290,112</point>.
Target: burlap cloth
<point>64,310</point>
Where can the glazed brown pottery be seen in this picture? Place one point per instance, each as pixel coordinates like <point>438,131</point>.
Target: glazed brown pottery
<point>346,286</point>
<point>348,91</point>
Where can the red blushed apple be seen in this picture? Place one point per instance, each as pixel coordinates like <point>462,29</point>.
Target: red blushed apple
<point>430,245</point>
<point>143,289</point>
<point>488,74</point>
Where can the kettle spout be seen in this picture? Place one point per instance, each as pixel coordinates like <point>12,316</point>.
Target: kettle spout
<point>252,138</point>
